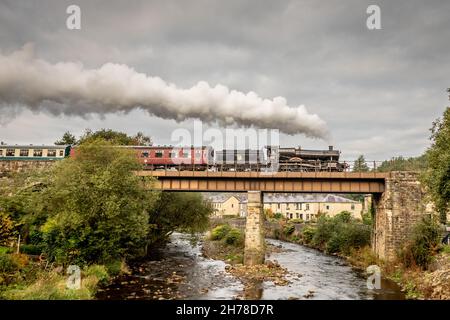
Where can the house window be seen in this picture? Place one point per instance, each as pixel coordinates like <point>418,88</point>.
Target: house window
<point>307,206</point>
<point>353,207</point>
<point>24,152</point>
<point>301,216</point>
<point>287,206</point>
<point>299,206</point>
<point>298,216</point>
<point>51,153</point>
<point>37,153</point>
<point>61,153</point>
<point>327,207</point>
<point>159,154</point>
<point>290,215</point>
<point>10,152</point>
<point>279,206</point>
<point>232,205</point>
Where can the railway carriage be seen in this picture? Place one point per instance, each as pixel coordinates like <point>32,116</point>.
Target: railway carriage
<point>31,152</point>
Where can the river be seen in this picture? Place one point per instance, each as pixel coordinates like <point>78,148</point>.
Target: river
<point>181,272</point>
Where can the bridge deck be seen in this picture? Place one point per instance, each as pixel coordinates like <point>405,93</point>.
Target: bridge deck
<point>323,182</point>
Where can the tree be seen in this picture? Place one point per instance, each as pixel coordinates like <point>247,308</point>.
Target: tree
<point>183,211</point>
<point>437,175</point>
<point>116,137</point>
<point>360,165</point>
<point>67,138</point>
<point>404,164</point>
<point>98,208</point>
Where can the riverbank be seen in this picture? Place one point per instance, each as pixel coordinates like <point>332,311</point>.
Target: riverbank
<point>415,282</point>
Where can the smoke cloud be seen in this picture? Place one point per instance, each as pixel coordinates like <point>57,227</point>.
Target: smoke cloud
<point>70,88</point>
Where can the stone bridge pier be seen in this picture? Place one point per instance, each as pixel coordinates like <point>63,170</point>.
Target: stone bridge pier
<point>397,209</point>
<point>254,251</point>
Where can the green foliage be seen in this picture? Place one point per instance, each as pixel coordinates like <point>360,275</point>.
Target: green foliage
<point>31,249</point>
<point>360,165</point>
<point>96,206</point>
<point>98,271</point>
<point>67,138</point>
<point>7,229</point>
<point>7,263</point>
<point>404,164</point>
<point>296,221</point>
<point>234,237</point>
<point>278,216</point>
<point>437,175</point>
<point>183,211</point>
<point>114,267</point>
<point>339,234</point>
<point>288,229</point>
<point>423,243</point>
<point>115,138</point>
<point>308,234</point>
<point>219,232</point>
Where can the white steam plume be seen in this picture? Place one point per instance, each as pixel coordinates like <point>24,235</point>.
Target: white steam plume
<point>69,88</point>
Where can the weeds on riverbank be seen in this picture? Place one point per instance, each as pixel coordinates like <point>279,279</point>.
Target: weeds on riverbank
<point>225,243</point>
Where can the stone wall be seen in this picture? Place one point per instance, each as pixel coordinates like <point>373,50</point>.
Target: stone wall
<point>254,251</point>
<point>396,211</point>
<point>10,166</point>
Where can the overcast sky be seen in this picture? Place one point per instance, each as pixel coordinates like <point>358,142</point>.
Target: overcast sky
<point>377,90</point>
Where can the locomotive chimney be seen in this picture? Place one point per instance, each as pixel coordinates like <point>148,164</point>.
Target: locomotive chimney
<point>330,148</point>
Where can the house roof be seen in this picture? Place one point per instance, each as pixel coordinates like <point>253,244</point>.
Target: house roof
<point>305,198</point>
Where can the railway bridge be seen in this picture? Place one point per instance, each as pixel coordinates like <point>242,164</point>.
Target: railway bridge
<point>397,198</point>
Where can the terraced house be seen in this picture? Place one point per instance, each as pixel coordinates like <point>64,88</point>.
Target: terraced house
<point>308,206</point>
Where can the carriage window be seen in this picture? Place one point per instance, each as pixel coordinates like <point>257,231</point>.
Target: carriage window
<point>51,153</point>
<point>172,154</point>
<point>37,153</point>
<point>159,154</point>
<point>24,152</point>
<point>61,153</point>
<point>186,154</point>
<point>10,152</point>
<point>1,153</point>
<point>144,154</point>
<point>198,153</point>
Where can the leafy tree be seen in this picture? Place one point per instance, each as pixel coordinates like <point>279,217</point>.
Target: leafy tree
<point>115,137</point>
<point>183,211</point>
<point>437,175</point>
<point>98,208</point>
<point>67,138</point>
<point>360,165</point>
<point>404,164</point>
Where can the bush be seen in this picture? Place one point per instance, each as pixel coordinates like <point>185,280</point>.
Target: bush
<point>338,234</point>
<point>219,232</point>
<point>308,234</point>
<point>278,216</point>
<point>98,271</point>
<point>422,244</point>
<point>7,263</point>
<point>234,237</point>
<point>31,249</point>
<point>296,221</point>
<point>288,229</point>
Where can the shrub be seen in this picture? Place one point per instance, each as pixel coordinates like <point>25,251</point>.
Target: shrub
<point>7,263</point>
<point>31,249</point>
<point>423,242</point>
<point>296,221</point>
<point>234,237</point>
<point>308,234</point>
<point>288,229</point>
<point>219,232</point>
<point>98,271</point>
<point>278,216</point>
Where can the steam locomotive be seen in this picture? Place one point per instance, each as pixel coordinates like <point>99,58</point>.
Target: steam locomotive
<point>269,158</point>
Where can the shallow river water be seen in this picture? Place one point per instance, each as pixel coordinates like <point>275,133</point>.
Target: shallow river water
<point>181,272</point>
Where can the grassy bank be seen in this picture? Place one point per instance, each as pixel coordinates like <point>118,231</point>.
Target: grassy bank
<point>422,267</point>
<point>22,278</point>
